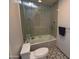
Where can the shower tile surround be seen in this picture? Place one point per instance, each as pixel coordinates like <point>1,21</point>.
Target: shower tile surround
<point>36,21</point>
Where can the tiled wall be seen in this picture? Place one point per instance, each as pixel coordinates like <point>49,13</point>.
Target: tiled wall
<point>42,20</point>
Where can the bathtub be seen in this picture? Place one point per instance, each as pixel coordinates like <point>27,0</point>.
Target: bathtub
<point>42,41</point>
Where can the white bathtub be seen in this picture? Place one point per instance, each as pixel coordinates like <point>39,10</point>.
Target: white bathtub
<point>41,39</point>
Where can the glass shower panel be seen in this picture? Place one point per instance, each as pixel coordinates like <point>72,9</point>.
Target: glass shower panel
<point>26,20</point>
<point>39,20</point>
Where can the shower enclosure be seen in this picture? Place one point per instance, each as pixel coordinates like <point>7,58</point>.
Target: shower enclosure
<point>39,20</point>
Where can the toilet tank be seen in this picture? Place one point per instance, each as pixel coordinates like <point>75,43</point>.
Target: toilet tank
<point>25,51</point>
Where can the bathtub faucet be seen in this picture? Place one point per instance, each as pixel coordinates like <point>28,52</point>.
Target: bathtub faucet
<point>28,37</point>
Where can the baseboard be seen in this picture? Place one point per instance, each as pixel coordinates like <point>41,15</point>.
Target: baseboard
<point>14,57</point>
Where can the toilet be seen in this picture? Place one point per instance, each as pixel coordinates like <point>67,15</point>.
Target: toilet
<point>40,53</point>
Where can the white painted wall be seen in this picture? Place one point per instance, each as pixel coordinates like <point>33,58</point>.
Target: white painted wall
<point>63,13</point>
<point>15,32</point>
<point>63,20</point>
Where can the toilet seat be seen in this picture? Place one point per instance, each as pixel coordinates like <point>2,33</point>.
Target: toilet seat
<point>40,52</point>
<point>32,55</point>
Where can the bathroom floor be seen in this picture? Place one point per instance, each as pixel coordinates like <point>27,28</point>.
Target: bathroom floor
<point>55,53</point>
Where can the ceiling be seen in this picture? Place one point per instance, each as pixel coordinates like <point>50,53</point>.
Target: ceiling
<point>44,2</point>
